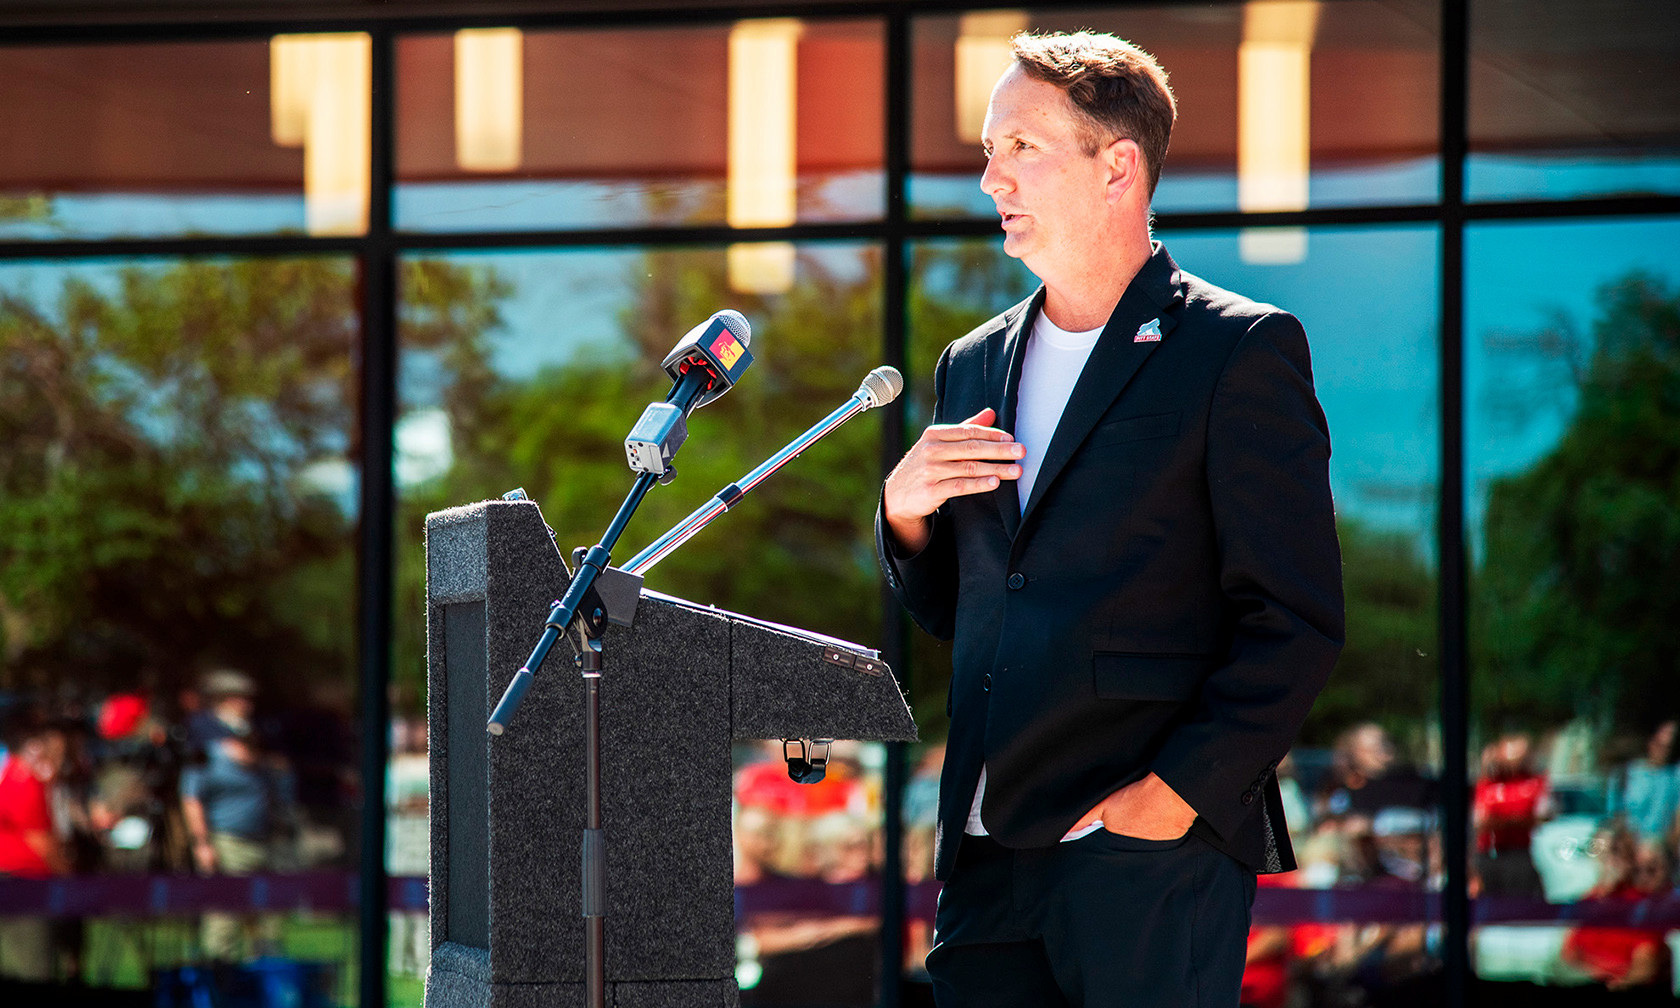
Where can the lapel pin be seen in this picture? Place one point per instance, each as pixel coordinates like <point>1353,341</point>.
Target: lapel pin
<point>1149,332</point>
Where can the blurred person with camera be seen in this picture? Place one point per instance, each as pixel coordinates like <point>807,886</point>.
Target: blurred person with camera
<point>234,805</point>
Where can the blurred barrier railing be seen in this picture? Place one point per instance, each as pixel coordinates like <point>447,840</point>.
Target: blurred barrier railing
<point>332,892</point>
<point>326,892</point>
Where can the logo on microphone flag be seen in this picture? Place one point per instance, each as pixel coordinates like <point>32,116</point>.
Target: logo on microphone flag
<point>727,349</point>
<point>1149,332</point>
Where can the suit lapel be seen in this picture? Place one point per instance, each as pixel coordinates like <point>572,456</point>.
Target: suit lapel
<point>1153,296</point>
<point>1003,386</point>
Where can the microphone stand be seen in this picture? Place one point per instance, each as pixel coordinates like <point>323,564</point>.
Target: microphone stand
<point>604,594</point>
<point>708,360</point>
<point>725,499</point>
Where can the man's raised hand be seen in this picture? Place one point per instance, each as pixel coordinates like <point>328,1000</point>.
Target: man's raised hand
<point>948,460</point>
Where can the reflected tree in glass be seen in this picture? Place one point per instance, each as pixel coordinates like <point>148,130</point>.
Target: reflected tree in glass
<point>1579,598</point>
<point>173,487</point>
<point>798,550</point>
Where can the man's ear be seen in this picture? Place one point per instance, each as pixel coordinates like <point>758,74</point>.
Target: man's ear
<point>1124,160</point>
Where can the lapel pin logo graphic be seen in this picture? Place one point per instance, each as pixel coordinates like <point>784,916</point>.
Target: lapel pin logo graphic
<point>1149,332</point>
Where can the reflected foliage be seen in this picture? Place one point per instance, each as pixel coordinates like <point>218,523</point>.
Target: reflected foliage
<point>156,509</point>
<point>1387,671</point>
<point>797,550</point>
<point>176,489</point>
<point>1579,602</point>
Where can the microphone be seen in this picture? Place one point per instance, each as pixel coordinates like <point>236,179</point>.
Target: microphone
<point>880,386</point>
<point>703,365</point>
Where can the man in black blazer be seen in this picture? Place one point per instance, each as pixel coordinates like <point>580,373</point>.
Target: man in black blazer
<point>1140,634</point>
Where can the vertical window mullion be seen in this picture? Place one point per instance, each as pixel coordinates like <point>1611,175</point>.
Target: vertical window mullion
<point>1450,531</point>
<point>377,412</point>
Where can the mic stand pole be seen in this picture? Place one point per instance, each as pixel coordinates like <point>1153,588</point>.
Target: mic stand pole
<point>604,594</point>
<point>594,848</point>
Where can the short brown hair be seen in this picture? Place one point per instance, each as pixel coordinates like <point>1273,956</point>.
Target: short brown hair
<point>1117,90</point>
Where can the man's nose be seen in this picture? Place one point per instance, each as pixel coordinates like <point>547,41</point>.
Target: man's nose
<point>994,179</point>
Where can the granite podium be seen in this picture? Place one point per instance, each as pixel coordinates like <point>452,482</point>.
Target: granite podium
<point>507,812</point>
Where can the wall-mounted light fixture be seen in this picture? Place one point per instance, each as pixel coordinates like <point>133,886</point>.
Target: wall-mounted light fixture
<point>320,97</point>
<point>763,70</point>
<point>983,54</point>
<point>1274,110</point>
<point>489,98</point>
<point>291,78</point>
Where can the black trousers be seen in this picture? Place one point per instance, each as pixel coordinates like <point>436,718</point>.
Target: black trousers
<point>1105,921</point>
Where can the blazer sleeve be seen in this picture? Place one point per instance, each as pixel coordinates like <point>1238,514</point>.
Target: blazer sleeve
<point>1268,454</point>
<point>925,582</point>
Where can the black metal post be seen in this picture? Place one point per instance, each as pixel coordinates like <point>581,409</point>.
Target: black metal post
<point>1455,665</point>
<point>378,393</point>
<point>594,848</point>
<point>895,297</point>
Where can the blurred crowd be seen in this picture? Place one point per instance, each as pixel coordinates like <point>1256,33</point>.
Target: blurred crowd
<point>1555,819</point>
<point>209,780</point>
<point>824,832</point>
<point>216,779</point>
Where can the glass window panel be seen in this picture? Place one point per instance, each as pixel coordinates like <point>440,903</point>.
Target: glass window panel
<point>177,570</point>
<point>764,122</point>
<point>494,394</point>
<point>1362,781</point>
<point>1571,100</point>
<point>183,138</point>
<point>1573,515</point>
<point>1369,100</point>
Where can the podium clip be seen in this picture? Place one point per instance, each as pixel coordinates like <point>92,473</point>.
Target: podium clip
<point>853,660</point>
<point>807,759</point>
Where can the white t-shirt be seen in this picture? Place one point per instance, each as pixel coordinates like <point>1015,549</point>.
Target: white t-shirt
<point>1054,360</point>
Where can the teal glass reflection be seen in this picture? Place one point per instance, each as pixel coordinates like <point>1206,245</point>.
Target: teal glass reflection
<point>1594,122</point>
<point>1572,366</point>
<point>1368,298</point>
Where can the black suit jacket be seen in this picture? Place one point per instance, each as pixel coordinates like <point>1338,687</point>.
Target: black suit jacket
<point>1170,598</point>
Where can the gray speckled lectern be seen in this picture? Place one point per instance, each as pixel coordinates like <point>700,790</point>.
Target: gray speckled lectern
<point>507,812</point>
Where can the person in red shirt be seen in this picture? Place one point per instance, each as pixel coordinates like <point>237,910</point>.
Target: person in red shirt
<point>1632,960</point>
<point>29,847</point>
<point>1511,799</point>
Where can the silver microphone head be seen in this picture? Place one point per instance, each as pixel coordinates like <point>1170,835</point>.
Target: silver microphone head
<point>881,386</point>
<point>736,323</point>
